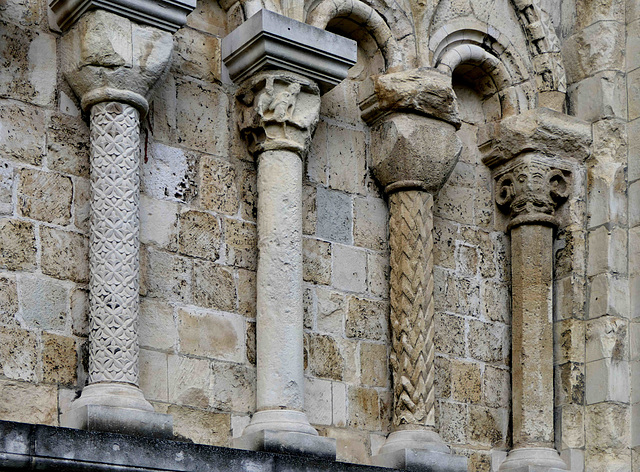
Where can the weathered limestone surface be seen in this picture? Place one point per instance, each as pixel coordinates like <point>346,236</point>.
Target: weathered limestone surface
<point>199,202</point>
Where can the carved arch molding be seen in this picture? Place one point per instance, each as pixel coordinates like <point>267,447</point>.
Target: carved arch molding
<point>542,41</point>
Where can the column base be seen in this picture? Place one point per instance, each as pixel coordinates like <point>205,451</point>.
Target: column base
<point>420,460</point>
<point>418,450</point>
<point>533,459</point>
<point>285,432</point>
<point>116,408</point>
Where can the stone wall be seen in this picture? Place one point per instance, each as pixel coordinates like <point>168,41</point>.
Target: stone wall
<point>199,240</point>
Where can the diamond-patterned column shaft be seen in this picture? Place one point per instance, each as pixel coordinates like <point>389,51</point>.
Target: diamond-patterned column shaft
<point>411,293</point>
<point>114,243</point>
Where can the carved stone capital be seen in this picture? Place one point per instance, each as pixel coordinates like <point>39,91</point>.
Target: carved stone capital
<point>424,91</point>
<point>280,111</point>
<point>106,57</point>
<point>413,152</point>
<point>530,188</point>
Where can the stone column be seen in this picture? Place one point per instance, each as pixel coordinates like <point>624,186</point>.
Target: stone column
<point>533,155</point>
<point>282,66</point>
<point>530,189</point>
<point>279,119</point>
<point>405,108</point>
<point>112,64</point>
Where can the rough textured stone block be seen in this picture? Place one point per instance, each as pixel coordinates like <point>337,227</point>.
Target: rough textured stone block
<point>156,327</point>
<point>30,74</point>
<point>197,55</point>
<point>23,132</point>
<point>199,426</point>
<point>603,95</point>
<point>65,255</point>
<point>158,222</point>
<point>201,108</point>
<point>366,319</point>
<point>607,381</point>
<point>241,242</point>
<point>316,261</point>
<point>331,310</point>
<point>349,268</point>
<point>59,359</point>
<point>317,399</point>
<point>169,173</point>
<point>189,381</point>
<point>154,381</point>
<point>28,402</point>
<point>213,286</point>
<point>199,235</point>
<point>210,334</point>
<point>68,145</point>
<point>18,354</point>
<point>346,163</point>
<point>18,245</point>
<point>596,48</point>
<point>44,303</point>
<point>374,364</point>
<point>165,275</point>
<point>466,381</point>
<point>217,189</point>
<point>364,408</point>
<point>370,223</point>
<point>233,387</point>
<point>334,220</point>
<point>45,196</point>
<point>324,357</point>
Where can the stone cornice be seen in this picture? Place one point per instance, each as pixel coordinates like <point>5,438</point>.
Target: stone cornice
<point>530,188</point>
<point>268,40</point>
<point>424,91</point>
<point>167,15</point>
<point>540,130</point>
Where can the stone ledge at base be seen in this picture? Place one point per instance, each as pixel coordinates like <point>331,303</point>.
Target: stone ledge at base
<point>37,447</point>
<point>119,420</point>
<point>288,442</point>
<point>416,460</point>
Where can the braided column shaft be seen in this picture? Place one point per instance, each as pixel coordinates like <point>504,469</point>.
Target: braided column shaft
<point>114,243</point>
<point>411,293</point>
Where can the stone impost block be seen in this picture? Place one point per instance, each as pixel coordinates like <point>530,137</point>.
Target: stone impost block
<point>540,130</point>
<point>288,442</point>
<point>422,91</point>
<point>168,15</point>
<point>106,57</point>
<point>403,159</point>
<point>416,460</point>
<point>268,40</point>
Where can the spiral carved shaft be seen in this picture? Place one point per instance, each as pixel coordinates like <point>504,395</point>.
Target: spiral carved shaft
<point>114,243</point>
<point>411,293</point>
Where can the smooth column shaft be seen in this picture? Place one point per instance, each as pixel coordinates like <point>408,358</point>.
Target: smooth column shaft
<point>279,323</point>
<point>532,335</point>
<point>114,243</point>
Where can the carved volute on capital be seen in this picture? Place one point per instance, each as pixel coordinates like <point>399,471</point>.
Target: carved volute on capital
<point>532,156</point>
<point>280,112</point>
<point>414,118</point>
<point>531,188</point>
